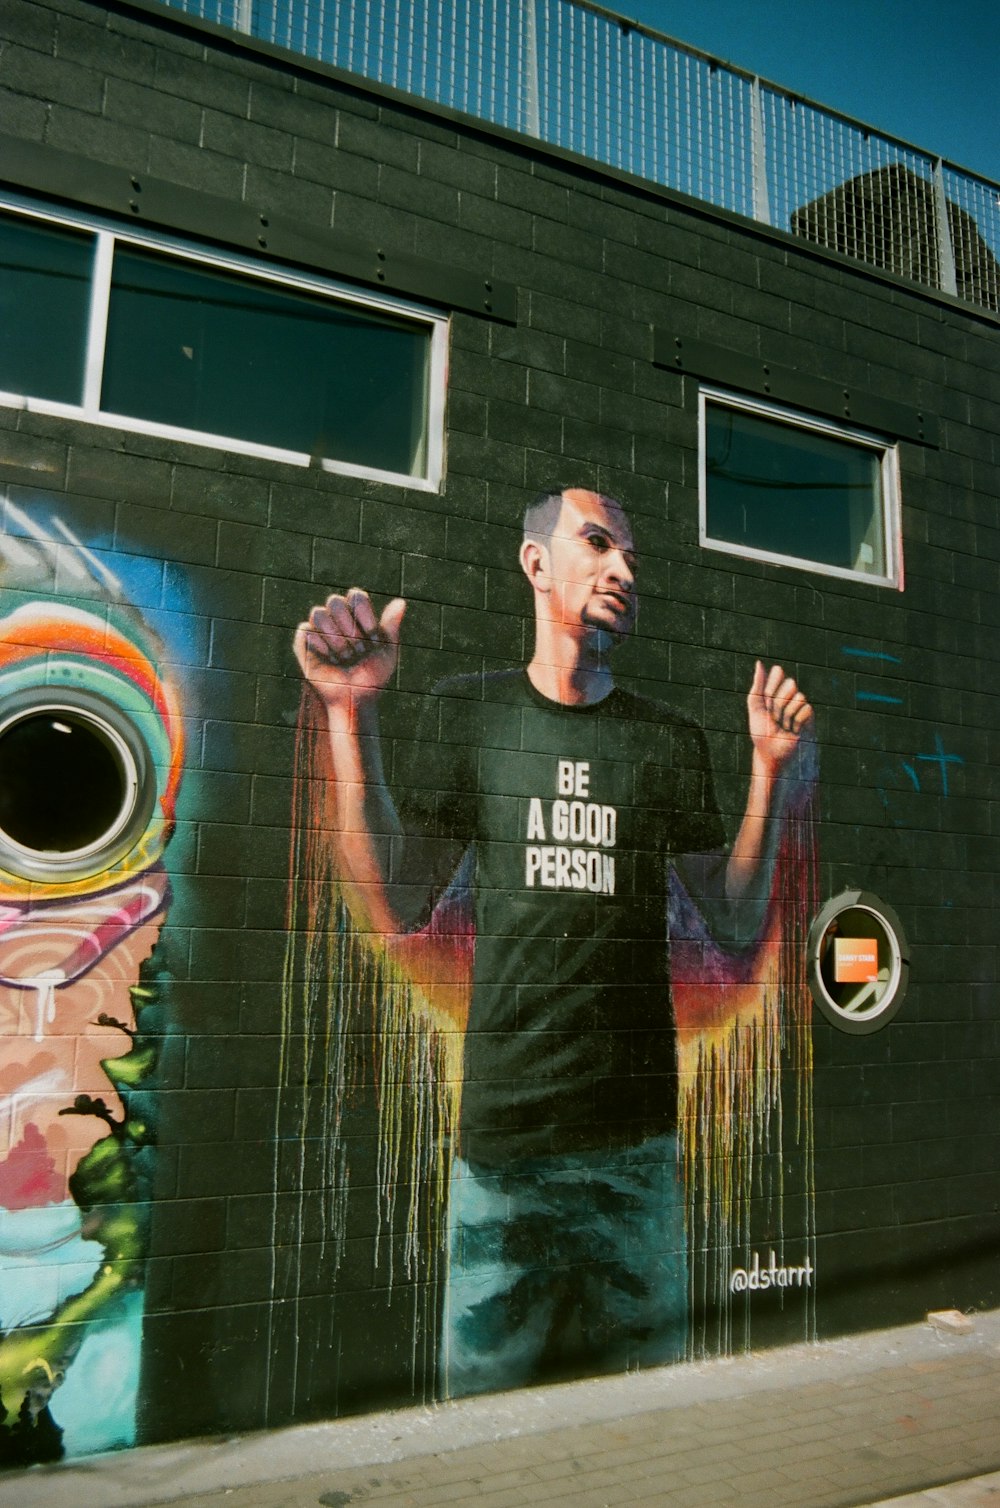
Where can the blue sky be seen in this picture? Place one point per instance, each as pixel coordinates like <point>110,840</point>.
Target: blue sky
<point>920,69</point>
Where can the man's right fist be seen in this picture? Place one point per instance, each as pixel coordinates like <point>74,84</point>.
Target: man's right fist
<point>344,651</point>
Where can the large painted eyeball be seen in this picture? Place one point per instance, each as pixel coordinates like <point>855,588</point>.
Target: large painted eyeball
<point>90,748</point>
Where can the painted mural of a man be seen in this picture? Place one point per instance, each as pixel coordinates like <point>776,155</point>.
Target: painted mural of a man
<point>566,1222</point>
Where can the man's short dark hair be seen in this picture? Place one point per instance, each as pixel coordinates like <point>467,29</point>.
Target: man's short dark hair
<point>542,513</point>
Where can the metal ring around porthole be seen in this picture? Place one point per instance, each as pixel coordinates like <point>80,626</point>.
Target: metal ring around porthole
<point>77,785</point>
<point>858,962</point>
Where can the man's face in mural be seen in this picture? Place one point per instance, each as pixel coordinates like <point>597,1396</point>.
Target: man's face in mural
<point>586,571</point>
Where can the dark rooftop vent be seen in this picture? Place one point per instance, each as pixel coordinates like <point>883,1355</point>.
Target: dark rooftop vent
<point>892,218</point>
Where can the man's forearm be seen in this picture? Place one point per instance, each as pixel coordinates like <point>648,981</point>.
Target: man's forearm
<point>751,861</point>
<point>348,656</point>
<point>732,890</point>
<point>369,834</point>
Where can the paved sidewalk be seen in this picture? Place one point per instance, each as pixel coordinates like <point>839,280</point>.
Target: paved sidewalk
<point>909,1415</point>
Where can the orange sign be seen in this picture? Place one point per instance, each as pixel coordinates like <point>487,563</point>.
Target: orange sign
<point>855,960</point>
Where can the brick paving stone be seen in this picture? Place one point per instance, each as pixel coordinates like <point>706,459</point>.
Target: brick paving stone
<point>431,1493</point>
<point>509,1476</point>
<point>669,1469</point>
<point>698,1476</point>
<point>506,1497</point>
<point>821,1430</point>
<point>771,1479</point>
<point>550,1471</point>
<point>608,1476</point>
<point>622,1495</point>
<point>727,1455</point>
<point>685,1497</point>
<point>673,1429</point>
<point>618,1456</point>
<point>588,1498</point>
<point>767,1443</point>
<point>383,1499</point>
<point>656,1458</point>
<point>785,1493</point>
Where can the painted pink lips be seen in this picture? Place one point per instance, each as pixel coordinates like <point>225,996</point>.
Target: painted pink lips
<point>48,945</point>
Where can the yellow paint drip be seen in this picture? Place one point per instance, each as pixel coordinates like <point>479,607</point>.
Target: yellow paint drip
<point>732,1133</point>
<point>352,1019</point>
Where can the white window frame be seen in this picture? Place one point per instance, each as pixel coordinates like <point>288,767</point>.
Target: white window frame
<point>886,449</point>
<point>109,233</point>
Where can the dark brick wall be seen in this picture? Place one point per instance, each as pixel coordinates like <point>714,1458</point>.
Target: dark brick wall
<point>908,1150</point>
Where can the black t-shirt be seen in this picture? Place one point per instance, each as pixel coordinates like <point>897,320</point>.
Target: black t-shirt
<point>574,813</point>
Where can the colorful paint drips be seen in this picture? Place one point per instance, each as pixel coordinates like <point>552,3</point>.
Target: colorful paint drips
<point>742,1019</point>
<point>359,1012</point>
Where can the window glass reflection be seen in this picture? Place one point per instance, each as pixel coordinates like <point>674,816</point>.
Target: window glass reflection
<point>227,355</point>
<point>794,492</point>
<point>45,274</point>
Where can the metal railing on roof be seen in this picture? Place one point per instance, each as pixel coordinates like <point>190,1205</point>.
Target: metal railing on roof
<point>580,77</point>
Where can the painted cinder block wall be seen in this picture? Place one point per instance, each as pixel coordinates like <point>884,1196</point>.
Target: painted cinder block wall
<point>907,1171</point>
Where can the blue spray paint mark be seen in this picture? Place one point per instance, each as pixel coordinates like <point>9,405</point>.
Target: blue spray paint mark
<point>912,774</point>
<point>875,696</point>
<point>942,759</point>
<point>870,654</point>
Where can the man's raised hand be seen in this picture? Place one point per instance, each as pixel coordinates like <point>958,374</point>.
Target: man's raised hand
<point>780,717</point>
<point>345,652</point>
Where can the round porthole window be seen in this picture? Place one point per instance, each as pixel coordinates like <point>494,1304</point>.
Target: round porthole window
<point>75,792</point>
<point>858,962</point>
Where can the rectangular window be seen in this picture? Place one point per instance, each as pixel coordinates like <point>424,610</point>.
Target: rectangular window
<point>161,337</point>
<point>45,278</point>
<point>786,487</point>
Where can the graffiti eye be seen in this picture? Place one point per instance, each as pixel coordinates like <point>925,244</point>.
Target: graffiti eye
<point>66,782</point>
<point>74,787</point>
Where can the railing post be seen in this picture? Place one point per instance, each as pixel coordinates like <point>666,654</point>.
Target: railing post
<point>946,251</point>
<point>758,156</point>
<point>243,17</point>
<point>529,64</point>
